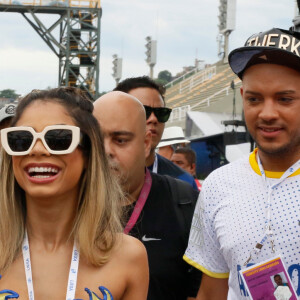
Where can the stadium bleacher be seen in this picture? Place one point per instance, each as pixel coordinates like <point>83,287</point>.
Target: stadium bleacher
<point>207,90</point>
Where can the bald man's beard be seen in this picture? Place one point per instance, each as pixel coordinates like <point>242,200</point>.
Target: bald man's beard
<point>122,178</point>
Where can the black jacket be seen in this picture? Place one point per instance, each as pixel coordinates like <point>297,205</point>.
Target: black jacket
<point>163,227</point>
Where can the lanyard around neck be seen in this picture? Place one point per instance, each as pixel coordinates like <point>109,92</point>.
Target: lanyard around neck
<point>139,203</point>
<point>271,187</point>
<point>268,234</point>
<point>155,164</point>
<point>72,281</point>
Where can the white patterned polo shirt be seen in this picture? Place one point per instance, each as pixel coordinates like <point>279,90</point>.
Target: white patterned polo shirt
<point>229,220</point>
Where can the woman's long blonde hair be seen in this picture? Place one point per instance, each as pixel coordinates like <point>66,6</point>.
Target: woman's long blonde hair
<point>97,221</point>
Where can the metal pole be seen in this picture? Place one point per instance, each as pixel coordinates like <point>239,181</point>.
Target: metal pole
<point>67,59</point>
<point>99,14</point>
<point>226,42</point>
<point>151,71</point>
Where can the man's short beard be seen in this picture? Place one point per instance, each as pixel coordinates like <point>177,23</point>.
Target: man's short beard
<point>283,150</point>
<point>113,165</point>
<point>116,170</point>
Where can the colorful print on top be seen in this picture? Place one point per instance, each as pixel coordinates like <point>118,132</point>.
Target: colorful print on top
<point>8,294</point>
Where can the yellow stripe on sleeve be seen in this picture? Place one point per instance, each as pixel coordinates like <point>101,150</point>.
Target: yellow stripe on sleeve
<point>202,269</point>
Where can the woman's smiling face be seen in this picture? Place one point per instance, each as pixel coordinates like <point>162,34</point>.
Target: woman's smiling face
<point>41,174</point>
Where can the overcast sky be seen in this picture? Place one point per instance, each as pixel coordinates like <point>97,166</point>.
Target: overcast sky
<point>183,30</point>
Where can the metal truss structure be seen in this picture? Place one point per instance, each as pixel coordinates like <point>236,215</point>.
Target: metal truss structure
<point>78,43</point>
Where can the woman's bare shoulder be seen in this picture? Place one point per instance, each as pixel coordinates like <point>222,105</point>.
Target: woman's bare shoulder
<point>130,248</point>
<point>132,256</point>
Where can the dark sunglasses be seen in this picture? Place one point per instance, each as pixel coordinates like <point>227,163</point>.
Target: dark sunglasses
<point>57,139</point>
<point>161,113</point>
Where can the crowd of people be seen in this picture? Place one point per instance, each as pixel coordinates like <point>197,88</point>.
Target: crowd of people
<point>97,201</point>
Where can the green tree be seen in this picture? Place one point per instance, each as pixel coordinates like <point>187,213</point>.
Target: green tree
<point>165,76</point>
<point>8,93</point>
<point>160,82</point>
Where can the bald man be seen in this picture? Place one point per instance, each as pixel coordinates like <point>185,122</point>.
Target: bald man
<point>159,208</point>
<point>126,138</point>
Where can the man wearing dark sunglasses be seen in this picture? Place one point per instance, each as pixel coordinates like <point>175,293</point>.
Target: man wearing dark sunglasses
<point>151,95</point>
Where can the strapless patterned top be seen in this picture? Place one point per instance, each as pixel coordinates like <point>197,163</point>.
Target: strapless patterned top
<point>106,294</point>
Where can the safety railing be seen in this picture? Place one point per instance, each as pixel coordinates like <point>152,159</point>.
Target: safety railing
<point>197,79</point>
<point>206,102</point>
<point>179,113</point>
<point>182,77</point>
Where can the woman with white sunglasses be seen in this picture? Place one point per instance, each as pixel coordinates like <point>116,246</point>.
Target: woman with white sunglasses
<point>60,231</point>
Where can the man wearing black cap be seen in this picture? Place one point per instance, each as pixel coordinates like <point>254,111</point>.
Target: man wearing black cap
<point>248,211</point>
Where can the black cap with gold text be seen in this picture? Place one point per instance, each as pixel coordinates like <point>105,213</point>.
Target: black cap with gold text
<point>275,46</point>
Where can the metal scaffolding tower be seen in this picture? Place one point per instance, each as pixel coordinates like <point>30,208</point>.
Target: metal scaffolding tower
<point>78,43</point>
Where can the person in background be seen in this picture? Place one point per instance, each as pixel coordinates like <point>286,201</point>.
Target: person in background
<point>151,95</point>
<point>172,138</point>
<point>6,113</point>
<point>185,158</point>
